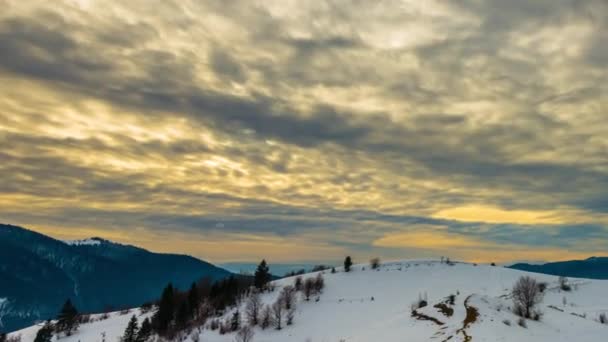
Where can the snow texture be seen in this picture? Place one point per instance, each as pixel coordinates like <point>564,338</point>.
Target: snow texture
<point>377,305</point>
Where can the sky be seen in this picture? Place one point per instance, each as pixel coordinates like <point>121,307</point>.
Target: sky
<point>309,130</point>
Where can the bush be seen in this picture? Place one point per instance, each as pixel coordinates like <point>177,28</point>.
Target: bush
<point>287,297</point>
<point>319,283</point>
<point>603,319</point>
<point>451,299</point>
<point>374,263</point>
<point>526,294</point>
<point>542,286</point>
<point>522,323</point>
<point>348,262</point>
<point>297,283</point>
<point>245,334</point>
<point>563,284</point>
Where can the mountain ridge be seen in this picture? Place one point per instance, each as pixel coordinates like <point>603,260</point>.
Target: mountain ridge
<point>595,267</point>
<point>95,276</point>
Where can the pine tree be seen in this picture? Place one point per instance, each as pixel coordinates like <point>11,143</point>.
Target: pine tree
<point>45,334</point>
<point>131,331</point>
<point>164,315</point>
<point>262,275</point>
<point>145,331</point>
<point>193,301</point>
<point>67,320</point>
<point>183,312</point>
<point>348,262</point>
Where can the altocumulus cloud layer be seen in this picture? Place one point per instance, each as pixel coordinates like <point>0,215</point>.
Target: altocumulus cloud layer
<point>301,130</point>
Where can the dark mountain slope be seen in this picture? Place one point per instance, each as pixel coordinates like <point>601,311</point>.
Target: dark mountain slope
<point>592,268</point>
<point>37,273</point>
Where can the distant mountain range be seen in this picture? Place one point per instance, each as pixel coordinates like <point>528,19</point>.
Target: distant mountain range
<point>38,273</point>
<point>278,270</point>
<point>592,268</point>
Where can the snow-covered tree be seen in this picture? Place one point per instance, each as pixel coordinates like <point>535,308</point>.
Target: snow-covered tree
<point>130,334</point>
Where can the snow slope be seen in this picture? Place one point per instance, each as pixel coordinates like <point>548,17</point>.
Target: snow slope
<point>375,305</point>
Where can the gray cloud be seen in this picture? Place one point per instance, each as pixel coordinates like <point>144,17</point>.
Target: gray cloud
<point>470,107</point>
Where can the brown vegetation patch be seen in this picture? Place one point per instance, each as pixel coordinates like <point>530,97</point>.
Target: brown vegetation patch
<point>471,317</point>
<point>444,309</point>
<point>423,317</point>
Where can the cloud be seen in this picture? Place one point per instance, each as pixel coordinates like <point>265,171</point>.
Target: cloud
<point>349,121</point>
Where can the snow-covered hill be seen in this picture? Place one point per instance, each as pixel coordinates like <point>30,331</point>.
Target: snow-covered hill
<point>376,305</point>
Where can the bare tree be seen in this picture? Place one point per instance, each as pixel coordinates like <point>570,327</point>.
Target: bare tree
<point>319,283</point>
<point>245,334</point>
<point>253,307</point>
<point>298,283</point>
<point>291,314</point>
<point>374,263</point>
<point>277,314</point>
<point>526,294</point>
<point>309,288</point>
<point>266,318</point>
<point>288,296</point>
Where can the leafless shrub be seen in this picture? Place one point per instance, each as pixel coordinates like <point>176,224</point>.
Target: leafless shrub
<point>214,324</point>
<point>374,263</point>
<point>526,295</point>
<point>84,318</point>
<point>298,283</point>
<point>522,322</point>
<point>245,334</point>
<point>287,297</point>
<point>290,316</point>
<point>252,308</point>
<point>563,284</point>
<point>309,288</point>
<point>451,299</point>
<point>602,318</point>
<point>266,317</point>
<point>277,315</point>
<point>319,283</point>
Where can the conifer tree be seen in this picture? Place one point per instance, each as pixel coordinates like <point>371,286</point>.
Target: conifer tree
<point>145,331</point>
<point>67,320</point>
<point>164,315</point>
<point>193,301</point>
<point>262,275</point>
<point>183,312</point>
<point>348,262</point>
<point>45,334</point>
<point>131,331</point>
